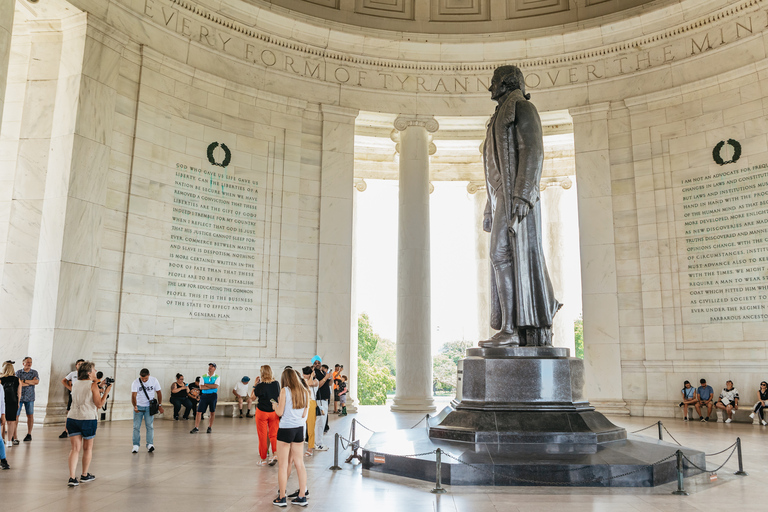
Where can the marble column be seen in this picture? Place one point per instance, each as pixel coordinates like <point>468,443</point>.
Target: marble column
<point>602,348</point>
<point>483,261</point>
<point>7,9</point>
<point>414,341</point>
<point>559,224</point>
<point>336,321</point>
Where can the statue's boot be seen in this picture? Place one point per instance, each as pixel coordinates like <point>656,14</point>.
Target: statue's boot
<point>508,335</point>
<point>502,339</point>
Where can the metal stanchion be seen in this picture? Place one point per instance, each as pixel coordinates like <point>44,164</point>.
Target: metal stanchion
<point>661,436</point>
<point>354,421</point>
<point>680,487</point>
<point>741,471</point>
<point>439,470</point>
<point>335,453</point>
<point>426,421</point>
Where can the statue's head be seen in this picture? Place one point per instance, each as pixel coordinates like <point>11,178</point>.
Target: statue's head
<point>507,79</point>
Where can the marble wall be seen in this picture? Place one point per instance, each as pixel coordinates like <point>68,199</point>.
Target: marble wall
<point>105,97</point>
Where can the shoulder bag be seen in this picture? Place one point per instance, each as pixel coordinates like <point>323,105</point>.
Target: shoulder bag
<point>153,405</point>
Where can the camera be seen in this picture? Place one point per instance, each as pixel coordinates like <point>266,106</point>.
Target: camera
<point>109,381</point>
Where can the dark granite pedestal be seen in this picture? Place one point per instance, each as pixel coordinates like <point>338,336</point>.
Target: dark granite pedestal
<point>520,417</point>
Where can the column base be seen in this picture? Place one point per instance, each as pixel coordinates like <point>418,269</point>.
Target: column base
<point>425,404</point>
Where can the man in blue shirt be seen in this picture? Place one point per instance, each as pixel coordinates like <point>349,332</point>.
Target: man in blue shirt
<point>209,387</point>
<point>704,396</point>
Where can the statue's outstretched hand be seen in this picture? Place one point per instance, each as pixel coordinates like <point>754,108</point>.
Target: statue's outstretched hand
<point>520,208</point>
<point>487,221</point>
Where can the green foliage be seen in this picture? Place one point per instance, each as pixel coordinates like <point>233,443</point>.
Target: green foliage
<point>373,383</point>
<point>375,364</point>
<point>444,365</point>
<point>578,330</point>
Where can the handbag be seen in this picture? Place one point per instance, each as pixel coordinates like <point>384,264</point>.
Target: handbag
<point>154,407</point>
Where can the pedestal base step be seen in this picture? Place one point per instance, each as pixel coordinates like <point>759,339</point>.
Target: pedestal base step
<point>633,462</point>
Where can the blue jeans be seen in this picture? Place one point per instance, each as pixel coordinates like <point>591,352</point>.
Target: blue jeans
<point>2,448</point>
<point>149,421</point>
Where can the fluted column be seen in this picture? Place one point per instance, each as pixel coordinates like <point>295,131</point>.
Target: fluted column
<point>414,342</point>
<point>482,260</point>
<point>7,8</point>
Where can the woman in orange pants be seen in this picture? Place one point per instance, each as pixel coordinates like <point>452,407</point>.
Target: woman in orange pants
<point>266,392</point>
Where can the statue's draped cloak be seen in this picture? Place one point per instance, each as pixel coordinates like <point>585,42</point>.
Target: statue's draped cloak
<point>514,153</point>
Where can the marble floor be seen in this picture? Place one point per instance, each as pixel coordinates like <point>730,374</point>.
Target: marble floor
<point>218,472</point>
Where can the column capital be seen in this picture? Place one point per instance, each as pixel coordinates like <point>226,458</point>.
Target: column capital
<point>429,123</point>
<point>360,184</point>
<point>564,182</point>
<point>473,187</point>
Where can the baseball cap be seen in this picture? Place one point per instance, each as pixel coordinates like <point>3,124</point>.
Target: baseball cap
<point>212,364</point>
<point>246,379</point>
<point>316,358</point>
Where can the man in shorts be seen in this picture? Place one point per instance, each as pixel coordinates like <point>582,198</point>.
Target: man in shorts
<point>209,388</point>
<point>704,396</point>
<point>343,395</point>
<point>67,382</point>
<point>28,379</point>
<point>242,392</point>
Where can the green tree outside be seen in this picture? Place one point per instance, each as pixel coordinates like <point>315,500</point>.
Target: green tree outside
<point>444,365</point>
<point>375,364</point>
<point>578,331</point>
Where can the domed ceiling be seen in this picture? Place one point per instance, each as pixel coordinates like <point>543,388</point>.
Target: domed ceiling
<point>456,16</point>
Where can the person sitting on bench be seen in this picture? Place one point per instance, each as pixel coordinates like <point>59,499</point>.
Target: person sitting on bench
<point>704,396</point>
<point>762,402</point>
<point>689,398</point>
<point>729,401</point>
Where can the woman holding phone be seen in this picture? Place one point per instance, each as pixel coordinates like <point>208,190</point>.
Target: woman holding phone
<point>292,408</point>
<point>265,393</point>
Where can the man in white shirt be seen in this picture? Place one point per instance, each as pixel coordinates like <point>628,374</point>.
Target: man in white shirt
<point>241,392</point>
<point>143,390</point>
<point>67,383</point>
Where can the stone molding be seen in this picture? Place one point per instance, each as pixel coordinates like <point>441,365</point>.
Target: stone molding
<point>429,123</point>
<point>563,182</point>
<point>361,185</point>
<point>473,187</point>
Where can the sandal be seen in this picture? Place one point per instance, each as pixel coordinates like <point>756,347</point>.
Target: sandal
<point>262,462</point>
<point>307,453</point>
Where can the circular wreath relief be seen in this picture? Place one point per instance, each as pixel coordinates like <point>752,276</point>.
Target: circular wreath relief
<point>227,154</point>
<point>736,152</point>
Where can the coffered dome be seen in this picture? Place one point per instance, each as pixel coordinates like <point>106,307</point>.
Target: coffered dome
<point>457,16</point>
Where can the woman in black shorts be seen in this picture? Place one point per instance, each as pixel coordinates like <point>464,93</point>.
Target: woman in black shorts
<point>292,409</point>
<point>12,389</point>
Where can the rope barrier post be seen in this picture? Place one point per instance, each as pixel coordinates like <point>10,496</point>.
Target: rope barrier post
<point>439,469</point>
<point>354,421</point>
<point>426,421</point>
<point>335,466</point>
<point>741,471</point>
<point>661,435</point>
<point>680,487</point>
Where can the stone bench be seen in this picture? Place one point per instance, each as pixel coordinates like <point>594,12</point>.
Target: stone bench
<point>220,409</point>
<point>692,416</point>
<point>741,415</point>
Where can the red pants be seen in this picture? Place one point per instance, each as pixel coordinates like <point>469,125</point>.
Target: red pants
<point>266,425</point>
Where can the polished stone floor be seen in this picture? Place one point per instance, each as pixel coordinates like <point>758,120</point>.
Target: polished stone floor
<point>218,472</point>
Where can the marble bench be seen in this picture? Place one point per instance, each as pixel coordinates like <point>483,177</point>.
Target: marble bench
<point>221,409</point>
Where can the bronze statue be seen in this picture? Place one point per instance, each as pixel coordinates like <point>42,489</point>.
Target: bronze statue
<point>522,301</point>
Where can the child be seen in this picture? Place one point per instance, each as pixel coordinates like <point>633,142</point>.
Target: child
<point>343,395</point>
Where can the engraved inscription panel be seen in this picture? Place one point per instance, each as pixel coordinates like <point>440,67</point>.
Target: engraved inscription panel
<point>722,228</point>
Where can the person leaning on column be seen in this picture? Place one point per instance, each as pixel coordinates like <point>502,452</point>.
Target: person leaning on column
<point>29,379</point>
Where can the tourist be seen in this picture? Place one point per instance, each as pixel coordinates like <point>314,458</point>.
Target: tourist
<point>292,408</point>
<point>343,395</point>
<point>729,400</point>
<point>209,390</point>
<point>322,398</point>
<point>29,379</point>
<point>704,396</point>
<point>336,378</point>
<point>312,386</point>
<point>193,392</point>
<point>241,392</point>
<point>689,398</point>
<point>179,398</point>
<point>3,461</point>
<point>82,421</point>
<point>67,383</point>
<point>762,402</point>
<point>12,391</point>
<point>143,391</point>
<point>265,393</point>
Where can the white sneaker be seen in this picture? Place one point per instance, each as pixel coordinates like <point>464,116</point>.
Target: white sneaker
<point>728,420</point>
<point>321,448</point>
<point>135,449</point>
<point>752,415</point>
<point>9,444</point>
<point>150,448</point>
<point>764,423</point>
